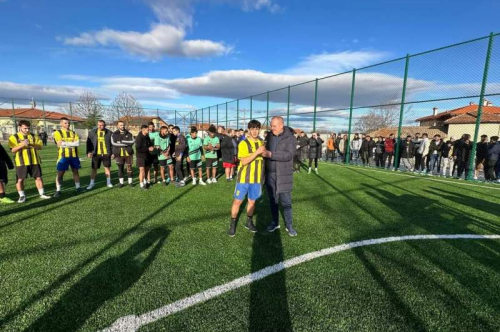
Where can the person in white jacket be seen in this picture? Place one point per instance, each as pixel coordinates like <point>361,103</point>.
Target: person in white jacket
<point>422,154</point>
<point>355,147</point>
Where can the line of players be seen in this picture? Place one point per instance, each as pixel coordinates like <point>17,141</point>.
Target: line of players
<point>156,152</point>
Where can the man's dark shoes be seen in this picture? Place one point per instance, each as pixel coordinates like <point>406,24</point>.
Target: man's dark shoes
<point>271,228</point>
<point>291,231</point>
<point>250,226</point>
<point>232,229</point>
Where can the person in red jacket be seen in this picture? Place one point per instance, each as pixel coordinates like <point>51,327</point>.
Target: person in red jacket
<point>389,148</point>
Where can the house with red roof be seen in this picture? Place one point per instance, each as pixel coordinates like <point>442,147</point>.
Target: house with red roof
<point>462,120</point>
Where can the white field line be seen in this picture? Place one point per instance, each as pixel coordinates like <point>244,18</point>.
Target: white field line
<point>132,323</point>
<point>412,176</point>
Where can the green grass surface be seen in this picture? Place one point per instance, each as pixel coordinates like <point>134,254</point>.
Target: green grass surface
<point>80,262</point>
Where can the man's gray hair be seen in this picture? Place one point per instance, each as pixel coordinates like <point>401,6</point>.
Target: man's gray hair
<point>278,118</point>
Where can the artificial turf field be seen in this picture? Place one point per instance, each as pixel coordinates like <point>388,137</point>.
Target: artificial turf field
<point>79,263</point>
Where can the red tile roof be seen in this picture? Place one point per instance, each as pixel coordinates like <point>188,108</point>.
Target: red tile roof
<point>459,111</point>
<point>471,117</point>
<point>34,113</point>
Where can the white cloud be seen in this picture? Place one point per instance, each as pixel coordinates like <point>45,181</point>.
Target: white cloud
<point>332,63</point>
<point>161,40</point>
<point>42,92</point>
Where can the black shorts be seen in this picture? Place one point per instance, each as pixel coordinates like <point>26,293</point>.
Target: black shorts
<point>22,172</point>
<point>154,159</point>
<point>143,161</point>
<point>194,164</point>
<point>97,160</point>
<point>124,160</point>
<point>163,163</point>
<point>212,162</point>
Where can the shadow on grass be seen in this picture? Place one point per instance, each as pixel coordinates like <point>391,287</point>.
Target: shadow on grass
<point>105,282</point>
<point>73,271</point>
<point>268,297</point>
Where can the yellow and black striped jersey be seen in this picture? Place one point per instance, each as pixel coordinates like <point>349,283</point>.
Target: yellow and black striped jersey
<point>28,155</point>
<point>68,136</point>
<point>254,171</point>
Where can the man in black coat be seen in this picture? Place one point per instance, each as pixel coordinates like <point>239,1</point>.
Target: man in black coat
<point>366,150</point>
<point>280,148</point>
<point>5,162</point>
<point>143,147</point>
<point>462,154</point>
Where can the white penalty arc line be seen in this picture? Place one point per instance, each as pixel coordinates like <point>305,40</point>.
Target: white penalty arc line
<point>132,323</point>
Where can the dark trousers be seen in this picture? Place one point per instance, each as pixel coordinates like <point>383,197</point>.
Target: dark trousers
<point>179,169</point>
<point>296,162</point>
<point>388,159</point>
<point>330,154</point>
<point>365,158</point>
<point>315,162</point>
<point>418,162</point>
<point>285,198</point>
<point>463,166</point>
<point>489,171</point>
<point>379,159</point>
<point>44,141</point>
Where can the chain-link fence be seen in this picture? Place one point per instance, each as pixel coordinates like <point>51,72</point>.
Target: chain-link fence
<point>434,112</point>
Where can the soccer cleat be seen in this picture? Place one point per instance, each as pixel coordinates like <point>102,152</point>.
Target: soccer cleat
<point>291,231</point>
<point>232,229</point>
<point>194,182</point>
<point>6,200</point>
<point>90,187</point>
<point>209,181</point>
<point>309,172</point>
<point>250,226</point>
<point>180,184</point>
<point>57,194</point>
<point>21,199</point>
<point>44,197</point>
<point>202,183</point>
<point>79,190</point>
<point>110,185</point>
<point>214,180</point>
<point>271,228</point>
<point>121,185</point>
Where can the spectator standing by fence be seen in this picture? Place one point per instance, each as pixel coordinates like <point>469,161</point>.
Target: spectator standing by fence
<point>389,145</point>
<point>492,157</point>
<point>314,151</point>
<point>435,148</point>
<point>366,150</point>
<point>406,153</point>
<point>481,154</point>
<point>330,147</point>
<point>379,152</point>
<point>304,143</point>
<point>447,157</point>
<point>355,147</point>
<point>462,155</point>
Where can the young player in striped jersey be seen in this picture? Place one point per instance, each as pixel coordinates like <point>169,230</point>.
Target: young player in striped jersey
<point>162,144</point>
<point>211,144</point>
<point>195,155</point>
<point>68,142</point>
<point>250,176</point>
<point>122,141</point>
<point>25,146</point>
<point>99,150</point>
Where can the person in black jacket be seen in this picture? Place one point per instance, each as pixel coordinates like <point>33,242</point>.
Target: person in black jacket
<point>227,153</point>
<point>43,136</point>
<point>180,149</point>
<point>99,150</point>
<point>122,142</point>
<point>143,147</point>
<point>406,152</point>
<point>481,154</point>
<point>366,150</point>
<point>461,154</point>
<point>379,152</point>
<point>492,157</point>
<point>435,148</point>
<point>298,152</point>
<point>315,143</point>
<point>5,163</point>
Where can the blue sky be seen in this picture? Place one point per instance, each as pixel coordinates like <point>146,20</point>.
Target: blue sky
<point>162,51</point>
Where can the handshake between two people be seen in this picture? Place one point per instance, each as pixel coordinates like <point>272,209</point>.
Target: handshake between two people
<point>264,152</point>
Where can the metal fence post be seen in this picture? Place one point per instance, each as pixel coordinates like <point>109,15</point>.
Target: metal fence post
<point>44,117</point>
<point>71,116</point>
<point>480,107</point>
<point>348,151</point>
<point>202,120</point>
<point>237,113</point>
<point>196,118</point>
<point>288,108</point>
<point>401,112</point>
<point>217,115</point>
<point>251,107</point>
<point>175,117</point>
<point>267,111</point>
<point>209,107</point>
<point>14,126</point>
<point>315,104</point>
<point>226,116</point>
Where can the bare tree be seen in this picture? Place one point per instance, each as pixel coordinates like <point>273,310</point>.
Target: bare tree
<point>380,117</point>
<point>89,108</point>
<point>123,107</point>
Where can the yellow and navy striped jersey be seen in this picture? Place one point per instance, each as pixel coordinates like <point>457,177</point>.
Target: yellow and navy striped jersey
<point>254,171</point>
<point>28,155</point>
<point>68,136</point>
<point>101,143</point>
